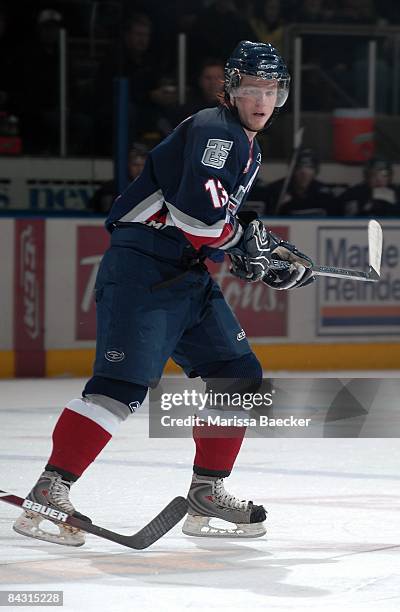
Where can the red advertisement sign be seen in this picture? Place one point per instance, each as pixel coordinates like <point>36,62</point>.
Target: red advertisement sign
<point>260,310</point>
<point>29,297</point>
<point>92,241</point>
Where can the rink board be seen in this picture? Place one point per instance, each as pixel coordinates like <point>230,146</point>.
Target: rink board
<point>47,325</point>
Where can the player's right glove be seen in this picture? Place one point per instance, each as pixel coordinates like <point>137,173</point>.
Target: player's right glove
<point>261,255</point>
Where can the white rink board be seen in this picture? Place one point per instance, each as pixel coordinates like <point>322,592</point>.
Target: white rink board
<point>306,316</point>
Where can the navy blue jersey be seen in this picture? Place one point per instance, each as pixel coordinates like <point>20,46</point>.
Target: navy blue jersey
<point>195,180</point>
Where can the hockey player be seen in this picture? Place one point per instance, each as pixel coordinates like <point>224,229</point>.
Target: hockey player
<point>156,299</point>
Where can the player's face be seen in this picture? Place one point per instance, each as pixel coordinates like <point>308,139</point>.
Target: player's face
<point>255,101</point>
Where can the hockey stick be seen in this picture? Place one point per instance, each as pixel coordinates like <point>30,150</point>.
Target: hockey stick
<point>150,533</point>
<point>375,240</point>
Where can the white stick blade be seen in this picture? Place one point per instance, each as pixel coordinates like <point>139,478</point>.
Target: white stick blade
<point>375,240</point>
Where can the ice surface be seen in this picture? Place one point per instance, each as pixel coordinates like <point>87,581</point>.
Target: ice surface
<point>333,541</point>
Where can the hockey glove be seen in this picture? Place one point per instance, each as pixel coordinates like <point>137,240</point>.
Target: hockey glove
<point>251,257</point>
<point>263,256</point>
<point>289,268</point>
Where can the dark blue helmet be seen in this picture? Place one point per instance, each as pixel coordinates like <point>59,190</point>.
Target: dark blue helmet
<point>257,59</point>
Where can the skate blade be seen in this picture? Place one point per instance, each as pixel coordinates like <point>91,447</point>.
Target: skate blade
<point>28,524</point>
<point>199,526</point>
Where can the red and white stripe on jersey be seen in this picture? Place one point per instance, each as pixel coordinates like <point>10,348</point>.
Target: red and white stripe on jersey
<point>165,218</point>
<point>199,233</point>
<point>154,210</point>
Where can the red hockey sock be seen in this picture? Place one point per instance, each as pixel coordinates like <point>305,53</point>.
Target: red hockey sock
<point>77,440</point>
<point>216,449</point>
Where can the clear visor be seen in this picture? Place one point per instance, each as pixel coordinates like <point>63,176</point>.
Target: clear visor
<point>275,89</point>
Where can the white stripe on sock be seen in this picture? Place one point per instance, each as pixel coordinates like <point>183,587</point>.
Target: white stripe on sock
<point>103,417</point>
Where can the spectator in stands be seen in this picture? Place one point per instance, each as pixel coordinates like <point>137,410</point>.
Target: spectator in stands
<point>161,114</point>
<point>208,88</point>
<point>305,195</point>
<point>375,196</point>
<point>103,198</point>
<point>267,22</point>
<point>168,18</point>
<point>131,58</point>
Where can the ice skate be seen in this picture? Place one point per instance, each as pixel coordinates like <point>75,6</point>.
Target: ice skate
<point>208,500</point>
<point>52,492</point>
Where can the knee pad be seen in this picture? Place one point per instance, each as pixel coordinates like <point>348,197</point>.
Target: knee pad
<point>119,397</point>
<point>242,375</point>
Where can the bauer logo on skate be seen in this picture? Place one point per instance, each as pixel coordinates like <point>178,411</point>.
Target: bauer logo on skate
<point>349,308</point>
<point>45,510</point>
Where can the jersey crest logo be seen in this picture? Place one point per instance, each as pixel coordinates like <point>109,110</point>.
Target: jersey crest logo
<point>216,152</point>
